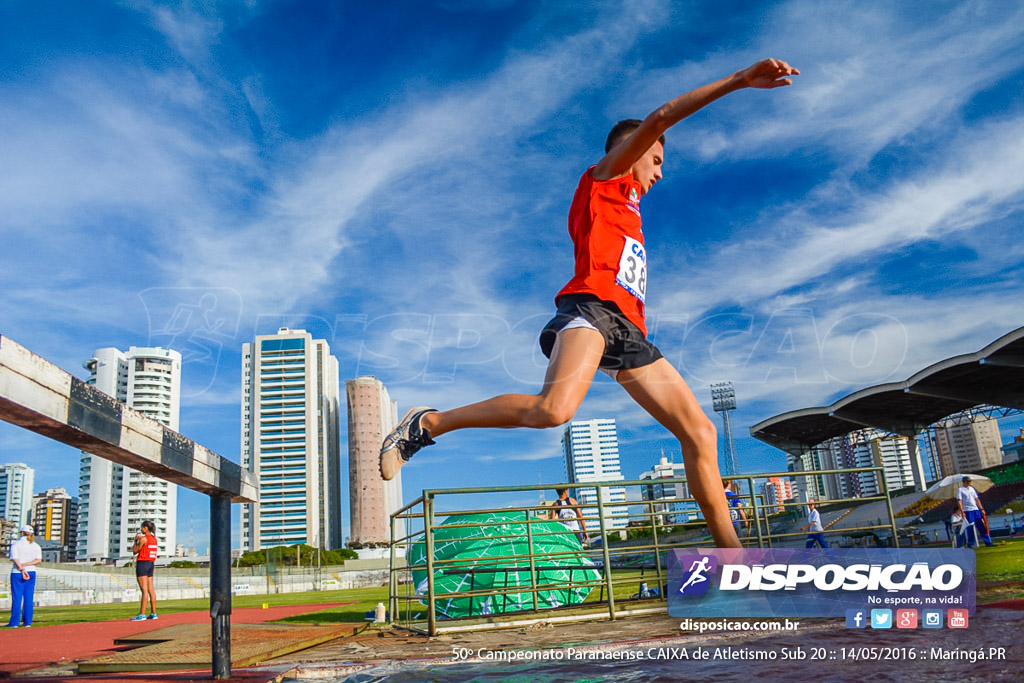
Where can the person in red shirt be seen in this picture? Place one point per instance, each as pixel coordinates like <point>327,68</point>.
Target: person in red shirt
<point>145,548</point>
<point>600,322</point>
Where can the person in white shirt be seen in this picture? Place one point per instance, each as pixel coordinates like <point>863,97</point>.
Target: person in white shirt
<point>969,505</point>
<point>25,554</point>
<point>817,535</point>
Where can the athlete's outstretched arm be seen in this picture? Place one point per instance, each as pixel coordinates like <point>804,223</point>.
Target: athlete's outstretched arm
<point>766,74</point>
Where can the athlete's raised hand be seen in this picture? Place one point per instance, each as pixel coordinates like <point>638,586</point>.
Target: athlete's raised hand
<point>768,73</point>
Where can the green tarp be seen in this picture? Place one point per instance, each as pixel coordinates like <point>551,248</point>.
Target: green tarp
<point>475,546</point>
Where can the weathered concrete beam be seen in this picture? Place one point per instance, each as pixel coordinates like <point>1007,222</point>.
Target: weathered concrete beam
<point>39,396</point>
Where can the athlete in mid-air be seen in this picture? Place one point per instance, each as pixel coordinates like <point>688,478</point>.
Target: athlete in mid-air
<point>599,323</point>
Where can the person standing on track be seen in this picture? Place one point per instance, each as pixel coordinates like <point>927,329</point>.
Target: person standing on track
<point>600,317</point>
<point>145,548</point>
<point>25,555</point>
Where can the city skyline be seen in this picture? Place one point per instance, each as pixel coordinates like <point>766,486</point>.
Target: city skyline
<point>396,181</point>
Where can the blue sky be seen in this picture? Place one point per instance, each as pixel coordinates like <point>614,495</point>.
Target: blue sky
<point>396,180</point>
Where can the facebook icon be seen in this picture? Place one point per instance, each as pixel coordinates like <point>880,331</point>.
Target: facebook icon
<point>856,618</point>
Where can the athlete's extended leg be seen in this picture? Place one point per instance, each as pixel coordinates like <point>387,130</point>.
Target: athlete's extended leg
<point>662,392</point>
<point>574,360</point>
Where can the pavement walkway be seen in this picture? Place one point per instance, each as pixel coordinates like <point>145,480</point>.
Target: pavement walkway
<point>24,649</point>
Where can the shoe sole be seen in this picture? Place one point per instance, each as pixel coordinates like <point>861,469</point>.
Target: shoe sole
<point>389,450</point>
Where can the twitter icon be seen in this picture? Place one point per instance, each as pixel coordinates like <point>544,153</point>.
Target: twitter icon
<point>881,618</point>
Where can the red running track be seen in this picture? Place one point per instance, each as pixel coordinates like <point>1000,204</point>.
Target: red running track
<point>30,648</point>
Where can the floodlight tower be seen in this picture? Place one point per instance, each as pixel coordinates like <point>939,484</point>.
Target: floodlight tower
<point>723,398</point>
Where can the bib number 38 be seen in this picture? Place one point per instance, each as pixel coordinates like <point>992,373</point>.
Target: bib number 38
<point>632,274</point>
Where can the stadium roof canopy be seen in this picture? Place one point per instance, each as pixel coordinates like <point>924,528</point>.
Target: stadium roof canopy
<point>992,376</point>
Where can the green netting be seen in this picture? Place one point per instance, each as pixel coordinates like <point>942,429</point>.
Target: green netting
<point>473,546</point>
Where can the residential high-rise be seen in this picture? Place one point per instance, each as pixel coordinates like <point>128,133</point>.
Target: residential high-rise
<point>290,434</point>
<point>897,455</point>
<point>777,490</point>
<point>55,517</point>
<point>591,449</point>
<point>371,415</point>
<point>815,486</point>
<point>16,482</point>
<point>114,500</point>
<point>675,512</point>
<point>969,446</point>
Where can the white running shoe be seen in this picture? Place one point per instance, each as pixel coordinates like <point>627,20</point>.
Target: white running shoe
<point>402,443</point>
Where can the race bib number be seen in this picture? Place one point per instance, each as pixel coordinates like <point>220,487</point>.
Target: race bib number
<point>633,269</point>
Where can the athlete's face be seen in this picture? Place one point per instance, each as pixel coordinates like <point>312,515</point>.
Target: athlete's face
<point>647,169</point>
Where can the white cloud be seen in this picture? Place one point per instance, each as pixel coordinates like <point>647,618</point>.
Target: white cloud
<point>976,182</point>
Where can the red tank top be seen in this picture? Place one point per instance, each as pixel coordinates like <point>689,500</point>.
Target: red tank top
<point>608,244</point>
<point>148,551</point>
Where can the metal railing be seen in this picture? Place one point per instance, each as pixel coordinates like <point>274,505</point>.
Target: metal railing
<point>613,576</point>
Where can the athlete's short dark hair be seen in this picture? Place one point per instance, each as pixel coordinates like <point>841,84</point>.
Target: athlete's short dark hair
<point>149,526</point>
<point>624,129</point>
<point>560,491</point>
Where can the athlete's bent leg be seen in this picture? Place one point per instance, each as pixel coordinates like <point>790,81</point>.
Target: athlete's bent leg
<point>662,392</point>
<point>574,361</point>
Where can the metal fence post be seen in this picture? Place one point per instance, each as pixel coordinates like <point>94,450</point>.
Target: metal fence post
<point>428,534</point>
<point>392,581</point>
<point>533,564</point>
<point>662,589</point>
<point>888,506</point>
<point>757,514</point>
<point>604,551</point>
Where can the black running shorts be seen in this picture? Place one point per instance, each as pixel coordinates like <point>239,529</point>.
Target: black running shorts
<point>625,346</point>
<point>143,568</point>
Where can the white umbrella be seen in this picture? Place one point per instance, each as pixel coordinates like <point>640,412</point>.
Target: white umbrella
<point>946,488</point>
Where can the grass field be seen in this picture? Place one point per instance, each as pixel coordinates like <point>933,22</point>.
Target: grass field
<point>1001,571</point>
<point>1004,562</point>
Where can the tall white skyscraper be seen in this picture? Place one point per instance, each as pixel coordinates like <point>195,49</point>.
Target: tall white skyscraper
<point>290,404</point>
<point>591,450</point>
<point>371,415</point>
<point>16,482</point>
<point>114,500</point>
